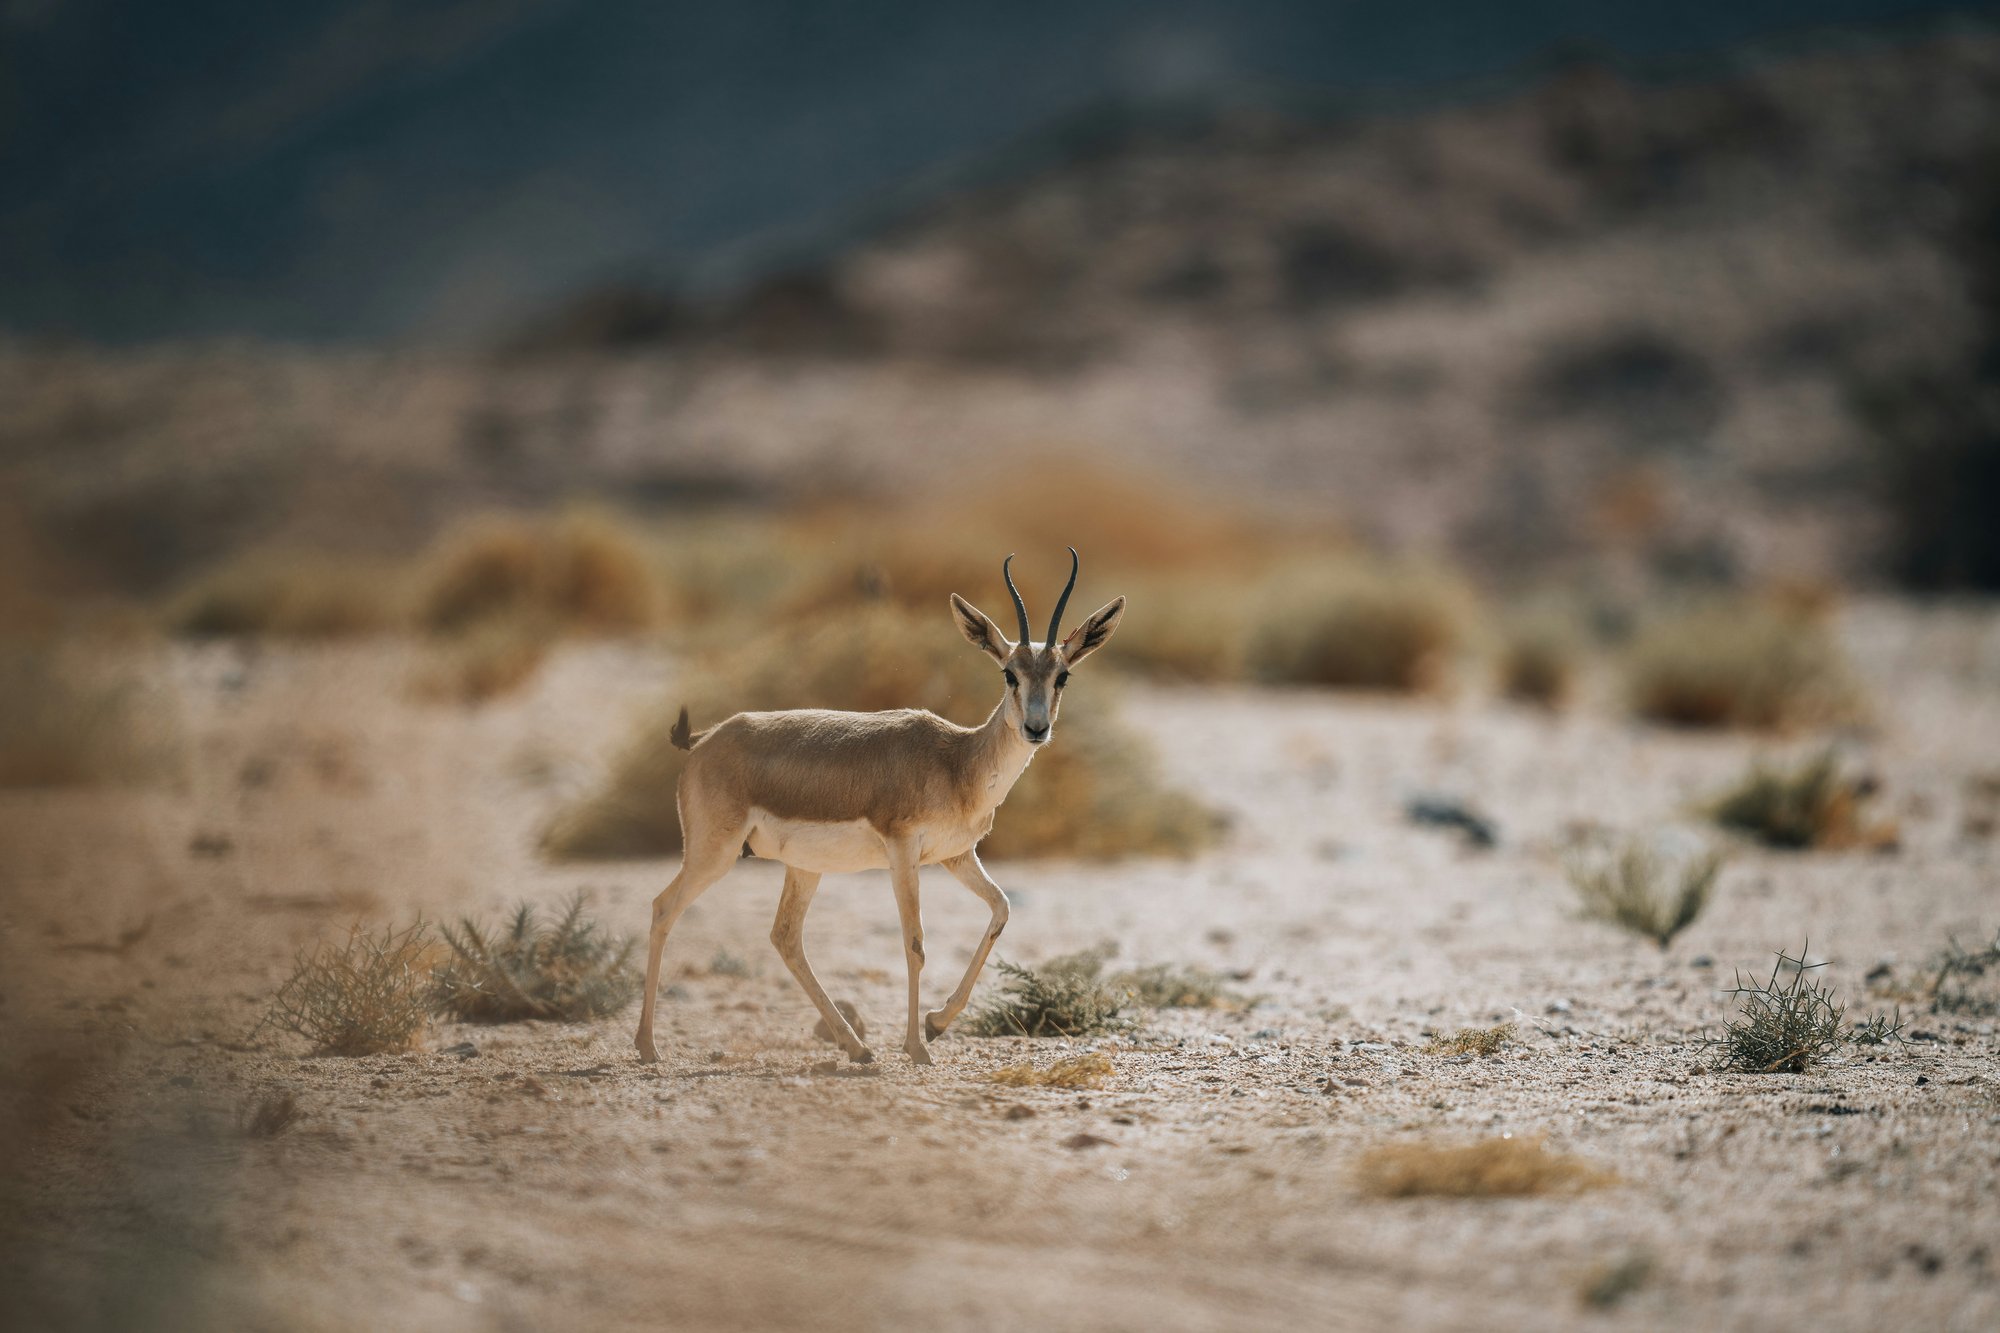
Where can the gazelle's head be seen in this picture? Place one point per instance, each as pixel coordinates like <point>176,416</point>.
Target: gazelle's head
<point>1036,673</point>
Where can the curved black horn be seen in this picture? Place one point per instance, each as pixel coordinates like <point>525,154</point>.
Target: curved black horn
<point>1020,607</point>
<point>1055,623</point>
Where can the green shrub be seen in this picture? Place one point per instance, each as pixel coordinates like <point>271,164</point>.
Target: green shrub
<point>569,970</point>
<point>1643,889</point>
<point>1066,997</point>
<point>1811,805</point>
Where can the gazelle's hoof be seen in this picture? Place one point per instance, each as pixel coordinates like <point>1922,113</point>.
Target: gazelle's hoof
<point>864,1056</point>
<point>919,1053</point>
<point>647,1055</point>
<point>934,1025</point>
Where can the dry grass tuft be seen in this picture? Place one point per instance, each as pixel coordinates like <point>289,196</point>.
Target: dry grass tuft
<point>1611,1282</point>
<point>569,970</point>
<point>1093,793</point>
<point>1352,625</point>
<point>1490,1168</point>
<point>1740,665</point>
<point>1966,981</point>
<point>1644,888</point>
<point>71,717</point>
<point>1810,806</point>
<point>1178,986</point>
<point>1066,997</point>
<point>365,996</point>
<point>1539,660</point>
<point>582,571</point>
<point>1787,1024</point>
<point>1472,1041</point>
<point>270,1115</point>
<point>301,597</point>
<point>1077,1071</point>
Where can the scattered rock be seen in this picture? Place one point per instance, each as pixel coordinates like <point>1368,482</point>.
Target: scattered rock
<point>1442,811</point>
<point>464,1050</point>
<point>211,844</point>
<point>1081,1140</point>
<point>1019,1111</point>
<point>847,1011</point>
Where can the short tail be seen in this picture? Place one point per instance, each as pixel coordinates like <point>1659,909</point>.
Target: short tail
<point>682,738</point>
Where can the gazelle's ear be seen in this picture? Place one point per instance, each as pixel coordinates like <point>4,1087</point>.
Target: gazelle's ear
<point>979,631</point>
<point>1088,637</point>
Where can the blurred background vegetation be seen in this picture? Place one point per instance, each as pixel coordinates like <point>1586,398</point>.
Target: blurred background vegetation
<point>1582,354</point>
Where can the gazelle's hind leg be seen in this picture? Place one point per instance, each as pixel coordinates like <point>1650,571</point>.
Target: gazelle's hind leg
<point>788,933</point>
<point>709,849</point>
<point>903,877</point>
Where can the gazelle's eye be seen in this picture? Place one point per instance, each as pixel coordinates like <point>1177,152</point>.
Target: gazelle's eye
<point>1013,681</point>
<point>1062,679</point>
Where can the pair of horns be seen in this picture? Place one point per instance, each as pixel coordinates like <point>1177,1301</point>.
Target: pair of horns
<point>1021,607</point>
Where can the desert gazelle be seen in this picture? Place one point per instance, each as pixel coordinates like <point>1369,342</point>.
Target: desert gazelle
<point>830,792</point>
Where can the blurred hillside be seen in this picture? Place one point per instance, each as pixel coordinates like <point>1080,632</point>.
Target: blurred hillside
<point>1693,329</point>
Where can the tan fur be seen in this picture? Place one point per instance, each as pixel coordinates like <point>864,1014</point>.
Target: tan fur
<point>815,764</point>
<point>828,791</point>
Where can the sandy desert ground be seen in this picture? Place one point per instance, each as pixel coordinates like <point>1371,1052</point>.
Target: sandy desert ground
<point>546,1179</point>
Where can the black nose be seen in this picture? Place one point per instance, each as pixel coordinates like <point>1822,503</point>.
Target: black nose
<point>1034,735</point>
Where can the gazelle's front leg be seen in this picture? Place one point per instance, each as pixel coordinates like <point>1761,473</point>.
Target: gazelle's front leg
<point>903,875</point>
<point>973,875</point>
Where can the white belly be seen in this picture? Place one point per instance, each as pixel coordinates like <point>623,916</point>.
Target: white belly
<point>844,846</point>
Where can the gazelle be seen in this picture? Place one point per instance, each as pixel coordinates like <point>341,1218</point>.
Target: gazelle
<point>829,792</point>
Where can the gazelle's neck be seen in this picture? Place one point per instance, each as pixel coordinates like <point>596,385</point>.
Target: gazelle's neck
<point>1002,756</point>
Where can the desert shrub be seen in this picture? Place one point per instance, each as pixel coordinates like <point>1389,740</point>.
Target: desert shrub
<point>1073,1072</point>
<point>1358,626</point>
<point>1489,1168</point>
<point>483,662</point>
<point>1094,792</point>
<point>581,570</point>
<point>1193,629</point>
<point>1539,659</point>
<point>1787,1024</point>
<point>1644,887</point>
<point>269,1116</point>
<point>71,716</point>
<point>302,597</point>
<point>570,969</point>
<point>1966,980</point>
<point>1811,805</point>
<point>1125,522</point>
<point>1066,997</point>
<point>1177,986</point>
<point>1472,1041</point>
<point>1608,1284</point>
<point>1739,665</point>
<point>366,995</point>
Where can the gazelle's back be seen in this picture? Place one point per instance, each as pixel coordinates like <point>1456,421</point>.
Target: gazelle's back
<point>819,765</point>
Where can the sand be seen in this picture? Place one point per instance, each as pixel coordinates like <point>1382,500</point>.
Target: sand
<point>547,1179</point>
